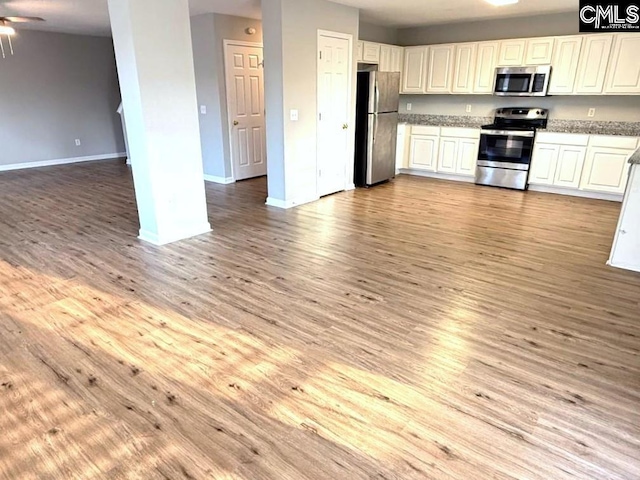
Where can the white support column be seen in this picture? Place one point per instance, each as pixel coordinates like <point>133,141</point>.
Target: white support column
<point>152,40</point>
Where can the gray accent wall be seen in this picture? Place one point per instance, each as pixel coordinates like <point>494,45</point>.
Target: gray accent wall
<point>377,33</point>
<point>54,89</point>
<point>208,33</point>
<point>291,78</point>
<point>521,27</point>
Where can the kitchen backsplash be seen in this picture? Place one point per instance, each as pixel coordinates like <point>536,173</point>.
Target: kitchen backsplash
<point>607,108</point>
<point>590,127</point>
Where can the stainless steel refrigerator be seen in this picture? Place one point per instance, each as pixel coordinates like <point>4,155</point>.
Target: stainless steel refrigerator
<point>377,104</point>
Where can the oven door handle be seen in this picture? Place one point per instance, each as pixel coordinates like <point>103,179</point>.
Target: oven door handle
<point>509,133</point>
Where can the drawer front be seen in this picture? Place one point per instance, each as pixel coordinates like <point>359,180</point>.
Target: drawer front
<point>424,130</point>
<point>563,138</point>
<point>460,132</point>
<point>629,143</point>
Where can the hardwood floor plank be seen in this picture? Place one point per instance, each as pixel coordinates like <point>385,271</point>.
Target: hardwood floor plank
<point>421,329</point>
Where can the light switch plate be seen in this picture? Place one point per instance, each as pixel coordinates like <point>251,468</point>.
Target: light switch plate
<point>203,109</point>
<point>294,115</point>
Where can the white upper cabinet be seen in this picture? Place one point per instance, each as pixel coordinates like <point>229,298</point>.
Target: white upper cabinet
<point>539,51</point>
<point>390,58</point>
<point>414,74</point>
<point>464,67</point>
<point>512,53</point>
<point>397,54</point>
<point>624,68</point>
<point>371,53</point>
<point>359,51</point>
<point>485,71</point>
<point>592,67</point>
<point>385,58</point>
<point>566,56</point>
<point>440,68</point>
<point>594,64</point>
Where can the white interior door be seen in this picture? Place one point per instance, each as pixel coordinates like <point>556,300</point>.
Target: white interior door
<point>334,101</point>
<point>245,103</point>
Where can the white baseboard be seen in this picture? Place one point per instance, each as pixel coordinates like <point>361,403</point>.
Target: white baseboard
<point>534,188</point>
<point>351,186</point>
<point>222,180</point>
<point>612,197</point>
<point>275,202</point>
<point>61,161</point>
<point>164,239</point>
<point>443,176</point>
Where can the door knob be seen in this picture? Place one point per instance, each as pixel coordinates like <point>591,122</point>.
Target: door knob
<point>235,123</point>
<point>345,126</point>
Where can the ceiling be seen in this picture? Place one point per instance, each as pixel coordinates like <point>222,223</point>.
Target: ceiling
<point>92,17</point>
<point>409,13</point>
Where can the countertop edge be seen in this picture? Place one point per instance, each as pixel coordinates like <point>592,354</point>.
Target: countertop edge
<point>577,127</point>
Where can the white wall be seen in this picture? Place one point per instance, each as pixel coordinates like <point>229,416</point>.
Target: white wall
<point>290,39</point>
<point>208,33</point>
<point>57,88</point>
<point>608,108</point>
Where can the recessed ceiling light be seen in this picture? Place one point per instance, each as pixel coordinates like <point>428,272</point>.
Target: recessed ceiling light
<point>500,3</point>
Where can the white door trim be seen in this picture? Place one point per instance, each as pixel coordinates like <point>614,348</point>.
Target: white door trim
<point>345,36</point>
<point>226,45</point>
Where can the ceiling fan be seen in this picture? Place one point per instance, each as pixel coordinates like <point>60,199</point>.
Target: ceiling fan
<point>8,30</point>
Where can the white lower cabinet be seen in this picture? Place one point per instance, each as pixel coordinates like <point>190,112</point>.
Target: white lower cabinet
<point>448,155</point>
<point>606,170</point>
<point>583,163</point>
<point>423,152</point>
<point>544,164</point>
<point>570,163</point>
<point>590,163</point>
<point>467,156</point>
<point>446,150</point>
<point>401,147</point>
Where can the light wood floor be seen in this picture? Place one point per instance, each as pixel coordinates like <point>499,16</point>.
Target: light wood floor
<point>418,330</point>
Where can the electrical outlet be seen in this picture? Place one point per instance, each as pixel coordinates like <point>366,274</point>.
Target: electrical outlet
<point>294,115</point>
<point>203,109</point>
<point>78,142</point>
<point>409,107</point>
<point>592,112</point>
<point>468,108</point>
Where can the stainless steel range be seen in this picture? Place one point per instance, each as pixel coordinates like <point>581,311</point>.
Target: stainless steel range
<point>506,146</point>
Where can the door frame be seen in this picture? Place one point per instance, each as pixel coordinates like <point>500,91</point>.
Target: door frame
<point>226,44</point>
<point>349,184</point>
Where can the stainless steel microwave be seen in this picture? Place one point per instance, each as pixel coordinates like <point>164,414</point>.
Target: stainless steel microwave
<point>522,81</point>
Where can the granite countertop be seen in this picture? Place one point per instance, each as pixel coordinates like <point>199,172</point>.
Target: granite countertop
<point>628,129</point>
<point>635,158</point>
